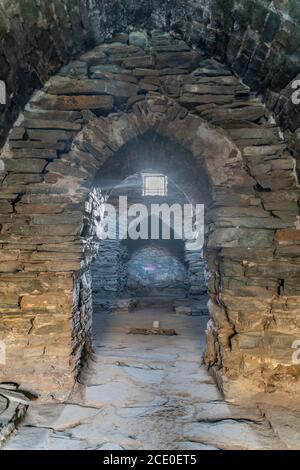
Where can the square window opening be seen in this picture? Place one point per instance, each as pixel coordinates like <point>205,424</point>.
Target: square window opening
<point>155,185</point>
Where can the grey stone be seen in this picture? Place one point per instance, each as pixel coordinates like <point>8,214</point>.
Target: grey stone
<point>228,434</point>
<point>139,38</point>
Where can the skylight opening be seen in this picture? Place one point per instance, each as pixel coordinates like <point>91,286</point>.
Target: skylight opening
<point>155,184</point>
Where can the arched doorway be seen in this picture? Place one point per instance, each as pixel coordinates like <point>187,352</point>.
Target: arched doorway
<point>51,210</point>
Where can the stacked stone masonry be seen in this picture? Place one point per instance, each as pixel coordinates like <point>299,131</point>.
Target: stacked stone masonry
<point>259,39</point>
<point>107,97</point>
<point>108,273</point>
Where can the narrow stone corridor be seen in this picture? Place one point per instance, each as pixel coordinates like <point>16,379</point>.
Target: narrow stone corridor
<point>145,392</point>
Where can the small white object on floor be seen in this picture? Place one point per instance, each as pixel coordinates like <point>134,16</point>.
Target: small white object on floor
<point>156,324</point>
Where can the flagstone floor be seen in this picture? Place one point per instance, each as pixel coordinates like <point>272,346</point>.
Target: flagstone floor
<point>147,392</point>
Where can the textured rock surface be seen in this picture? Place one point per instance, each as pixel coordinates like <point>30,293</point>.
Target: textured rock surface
<point>49,210</point>
<point>10,417</point>
<point>147,393</point>
<point>155,271</point>
<point>108,271</point>
<point>13,408</point>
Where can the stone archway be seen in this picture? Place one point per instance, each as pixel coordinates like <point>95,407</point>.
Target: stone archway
<point>48,242</point>
<point>70,179</point>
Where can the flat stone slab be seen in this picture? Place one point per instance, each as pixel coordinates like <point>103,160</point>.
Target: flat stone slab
<point>145,376</point>
<point>72,416</point>
<point>209,411</point>
<point>286,424</point>
<point>111,446</point>
<point>28,438</point>
<point>107,428</point>
<point>195,446</point>
<point>11,414</point>
<point>117,393</point>
<point>194,391</point>
<point>230,434</point>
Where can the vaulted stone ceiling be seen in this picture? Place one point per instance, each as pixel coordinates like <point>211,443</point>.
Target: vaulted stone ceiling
<point>259,39</point>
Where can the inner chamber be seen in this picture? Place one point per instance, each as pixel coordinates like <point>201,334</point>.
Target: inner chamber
<point>158,268</point>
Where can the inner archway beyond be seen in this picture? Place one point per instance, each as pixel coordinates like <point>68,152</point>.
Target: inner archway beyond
<point>48,230</point>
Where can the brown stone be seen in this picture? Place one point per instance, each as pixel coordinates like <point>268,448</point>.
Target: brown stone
<point>5,207</point>
<point>176,59</point>
<point>39,208</point>
<point>25,178</point>
<point>288,236</point>
<point>51,124</point>
<point>50,135</point>
<point>96,56</point>
<point>221,114</point>
<point>141,62</point>
<point>75,102</point>
<point>125,76</point>
<point>34,153</point>
<point>67,86</point>
<point>203,89</point>
<point>240,237</point>
<point>189,99</point>
<point>17,133</point>
<point>28,165</point>
<point>49,301</point>
<point>9,267</point>
<point>37,114</point>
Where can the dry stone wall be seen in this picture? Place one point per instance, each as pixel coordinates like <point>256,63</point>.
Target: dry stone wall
<point>109,271</point>
<point>109,96</point>
<point>153,271</point>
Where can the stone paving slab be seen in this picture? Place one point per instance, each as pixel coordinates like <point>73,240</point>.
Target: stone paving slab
<point>146,393</point>
<point>11,414</point>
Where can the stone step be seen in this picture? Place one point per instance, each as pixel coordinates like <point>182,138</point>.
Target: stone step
<point>154,302</point>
